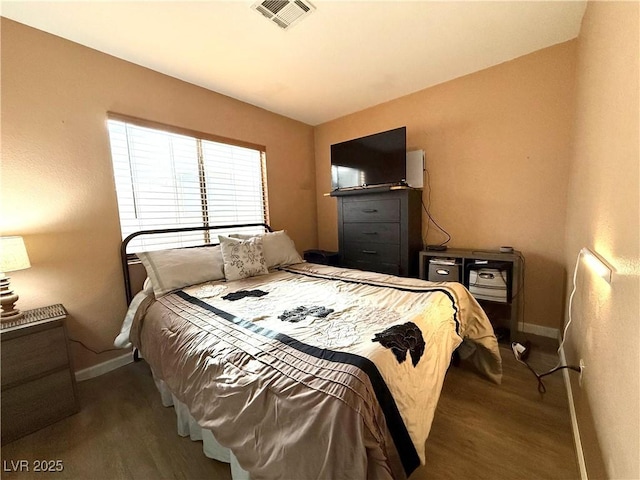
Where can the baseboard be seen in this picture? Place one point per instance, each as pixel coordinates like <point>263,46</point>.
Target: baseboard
<point>540,330</point>
<point>574,419</point>
<point>104,367</point>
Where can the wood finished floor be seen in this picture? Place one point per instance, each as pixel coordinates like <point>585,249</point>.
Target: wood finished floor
<point>480,431</point>
<point>485,431</point>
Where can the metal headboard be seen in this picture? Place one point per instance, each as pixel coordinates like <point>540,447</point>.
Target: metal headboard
<point>124,257</point>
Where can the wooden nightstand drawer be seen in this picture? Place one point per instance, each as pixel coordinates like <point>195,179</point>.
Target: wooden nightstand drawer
<point>36,404</point>
<point>371,211</point>
<point>27,356</point>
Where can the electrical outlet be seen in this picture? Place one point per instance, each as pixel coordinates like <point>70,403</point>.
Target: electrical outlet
<point>581,372</point>
<point>518,350</point>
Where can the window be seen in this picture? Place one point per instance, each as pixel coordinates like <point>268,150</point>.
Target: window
<point>167,177</point>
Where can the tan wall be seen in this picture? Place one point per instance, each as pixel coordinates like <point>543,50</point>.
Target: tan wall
<point>57,187</point>
<point>604,215</point>
<point>497,146</point>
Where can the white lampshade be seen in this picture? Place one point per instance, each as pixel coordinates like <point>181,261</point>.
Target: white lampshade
<point>13,254</point>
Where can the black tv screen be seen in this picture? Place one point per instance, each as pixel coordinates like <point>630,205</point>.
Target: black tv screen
<point>376,159</point>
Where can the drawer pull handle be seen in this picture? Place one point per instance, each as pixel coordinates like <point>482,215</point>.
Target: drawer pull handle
<point>442,271</point>
<point>369,252</point>
<point>369,233</point>
<point>369,210</point>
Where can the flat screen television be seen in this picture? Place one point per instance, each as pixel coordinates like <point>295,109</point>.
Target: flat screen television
<point>377,159</point>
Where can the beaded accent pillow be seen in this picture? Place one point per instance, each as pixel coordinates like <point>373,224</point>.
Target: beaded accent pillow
<point>242,258</point>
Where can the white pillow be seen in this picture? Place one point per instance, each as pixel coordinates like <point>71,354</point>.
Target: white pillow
<point>279,249</point>
<point>175,268</point>
<point>242,258</point>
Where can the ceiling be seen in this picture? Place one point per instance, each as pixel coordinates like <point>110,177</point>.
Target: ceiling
<point>344,57</point>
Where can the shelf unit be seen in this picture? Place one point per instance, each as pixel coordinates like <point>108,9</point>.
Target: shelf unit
<point>465,258</point>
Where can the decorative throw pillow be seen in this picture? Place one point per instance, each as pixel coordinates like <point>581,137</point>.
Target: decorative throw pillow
<point>242,258</point>
<point>175,268</point>
<point>279,249</point>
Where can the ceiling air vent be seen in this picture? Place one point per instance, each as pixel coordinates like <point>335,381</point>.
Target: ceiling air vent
<point>284,13</point>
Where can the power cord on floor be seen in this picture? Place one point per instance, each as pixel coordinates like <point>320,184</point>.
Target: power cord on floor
<point>521,352</point>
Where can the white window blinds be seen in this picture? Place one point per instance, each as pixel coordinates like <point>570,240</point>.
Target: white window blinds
<point>166,180</point>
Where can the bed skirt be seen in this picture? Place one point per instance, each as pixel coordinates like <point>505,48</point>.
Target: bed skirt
<point>188,427</point>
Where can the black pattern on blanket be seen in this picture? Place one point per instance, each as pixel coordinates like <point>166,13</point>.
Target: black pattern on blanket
<point>300,313</point>
<point>402,338</point>
<point>240,294</point>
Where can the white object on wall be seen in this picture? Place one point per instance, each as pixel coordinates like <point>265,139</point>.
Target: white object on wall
<point>415,168</point>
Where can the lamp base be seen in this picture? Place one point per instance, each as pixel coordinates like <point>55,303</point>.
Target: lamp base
<point>8,300</point>
<point>11,316</point>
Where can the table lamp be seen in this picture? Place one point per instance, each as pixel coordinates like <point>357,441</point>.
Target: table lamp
<point>13,256</point>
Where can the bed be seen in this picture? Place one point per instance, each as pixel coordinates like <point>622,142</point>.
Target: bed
<point>288,369</point>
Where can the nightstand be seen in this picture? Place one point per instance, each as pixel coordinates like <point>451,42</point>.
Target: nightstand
<point>322,257</point>
<point>38,383</point>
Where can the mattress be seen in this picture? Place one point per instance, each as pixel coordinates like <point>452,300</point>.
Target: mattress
<point>315,371</point>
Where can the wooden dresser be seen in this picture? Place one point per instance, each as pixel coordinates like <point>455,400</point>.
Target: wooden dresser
<point>38,383</point>
<point>381,231</point>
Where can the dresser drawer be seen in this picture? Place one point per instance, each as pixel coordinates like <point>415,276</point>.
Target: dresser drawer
<point>373,266</point>
<point>372,232</point>
<point>372,252</point>
<point>371,210</point>
<point>34,354</point>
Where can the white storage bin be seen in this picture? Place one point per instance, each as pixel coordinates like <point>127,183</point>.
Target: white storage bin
<point>443,271</point>
<point>488,284</point>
